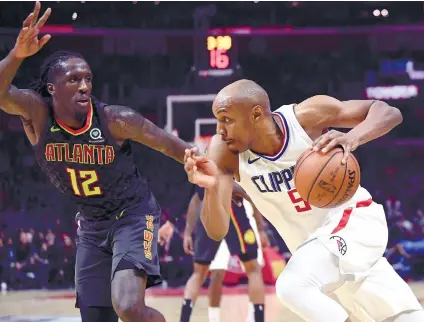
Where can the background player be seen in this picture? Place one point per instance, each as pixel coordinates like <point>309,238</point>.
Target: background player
<point>330,247</point>
<point>214,256</point>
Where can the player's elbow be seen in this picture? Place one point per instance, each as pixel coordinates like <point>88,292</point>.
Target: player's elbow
<point>392,114</point>
<point>397,115</point>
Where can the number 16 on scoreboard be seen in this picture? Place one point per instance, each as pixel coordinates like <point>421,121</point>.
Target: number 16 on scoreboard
<point>218,48</point>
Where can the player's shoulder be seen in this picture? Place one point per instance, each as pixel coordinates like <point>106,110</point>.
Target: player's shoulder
<point>318,102</point>
<point>115,113</point>
<point>285,108</point>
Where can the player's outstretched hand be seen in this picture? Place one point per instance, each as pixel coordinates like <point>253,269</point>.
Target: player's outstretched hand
<point>28,43</point>
<point>332,139</point>
<point>200,170</point>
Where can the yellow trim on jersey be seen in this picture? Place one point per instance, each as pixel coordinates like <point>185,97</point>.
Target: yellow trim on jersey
<point>238,230</point>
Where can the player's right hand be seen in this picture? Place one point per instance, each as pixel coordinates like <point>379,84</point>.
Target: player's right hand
<point>165,233</point>
<point>188,244</point>
<point>28,43</point>
<point>200,169</point>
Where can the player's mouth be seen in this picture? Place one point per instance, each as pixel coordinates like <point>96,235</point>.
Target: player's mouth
<point>83,102</point>
<point>229,141</point>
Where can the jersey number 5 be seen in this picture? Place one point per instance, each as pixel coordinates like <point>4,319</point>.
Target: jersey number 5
<point>300,204</point>
<point>86,178</point>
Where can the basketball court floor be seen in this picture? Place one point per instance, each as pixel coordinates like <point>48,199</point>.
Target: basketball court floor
<point>50,306</point>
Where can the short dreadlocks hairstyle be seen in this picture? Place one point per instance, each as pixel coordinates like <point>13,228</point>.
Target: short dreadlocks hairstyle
<point>49,65</point>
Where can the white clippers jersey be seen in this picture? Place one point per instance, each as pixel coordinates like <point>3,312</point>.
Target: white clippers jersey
<point>269,182</point>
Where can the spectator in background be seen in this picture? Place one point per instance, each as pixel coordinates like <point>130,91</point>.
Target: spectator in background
<point>68,261</point>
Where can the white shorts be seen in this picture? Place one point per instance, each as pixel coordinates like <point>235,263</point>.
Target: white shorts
<point>358,238</point>
<point>222,257</point>
<point>356,235</point>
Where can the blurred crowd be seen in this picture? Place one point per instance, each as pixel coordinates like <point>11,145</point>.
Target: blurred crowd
<point>31,259</point>
<point>37,228</point>
<point>192,14</point>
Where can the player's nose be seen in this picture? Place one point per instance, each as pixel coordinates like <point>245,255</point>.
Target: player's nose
<point>83,87</point>
<point>220,129</point>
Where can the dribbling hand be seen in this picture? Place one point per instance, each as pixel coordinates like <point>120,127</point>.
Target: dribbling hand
<point>28,43</point>
<point>332,139</point>
<point>200,170</point>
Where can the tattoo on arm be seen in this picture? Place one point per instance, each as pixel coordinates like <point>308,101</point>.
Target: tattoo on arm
<point>125,123</point>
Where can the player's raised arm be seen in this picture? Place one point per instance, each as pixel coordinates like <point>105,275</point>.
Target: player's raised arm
<point>125,123</point>
<point>368,119</point>
<point>13,100</point>
<point>215,173</point>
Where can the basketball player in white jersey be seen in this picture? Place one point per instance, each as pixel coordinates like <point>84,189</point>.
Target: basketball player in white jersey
<point>339,247</point>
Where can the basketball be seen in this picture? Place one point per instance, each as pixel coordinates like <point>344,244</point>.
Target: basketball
<point>323,181</point>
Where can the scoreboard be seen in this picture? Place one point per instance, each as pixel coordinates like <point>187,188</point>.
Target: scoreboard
<point>219,48</point>
<point>217,56</point>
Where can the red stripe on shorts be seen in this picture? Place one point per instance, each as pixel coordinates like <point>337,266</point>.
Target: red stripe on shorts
<point>347,212</point>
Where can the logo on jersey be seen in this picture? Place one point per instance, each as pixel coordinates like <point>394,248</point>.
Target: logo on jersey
<point>79,153</point>
<point>249,237</point>
<point>54,129</point>
<point>96,136</point>
<point>341,244</point>
<point>275,181</point>
<point>252,161</point>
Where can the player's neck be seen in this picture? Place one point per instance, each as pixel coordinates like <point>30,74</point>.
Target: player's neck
<point>270,140</point>
<point>68,118</point>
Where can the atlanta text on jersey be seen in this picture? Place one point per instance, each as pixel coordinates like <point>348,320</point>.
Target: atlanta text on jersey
<point>80,153</point>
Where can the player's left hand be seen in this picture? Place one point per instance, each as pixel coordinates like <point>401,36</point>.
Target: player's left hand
<point>263,238</point>
<point>333,138</point>
<point>238,193</point>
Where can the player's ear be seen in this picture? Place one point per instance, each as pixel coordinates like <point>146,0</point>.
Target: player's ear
<point>50,88</point>
<point>257,112</point>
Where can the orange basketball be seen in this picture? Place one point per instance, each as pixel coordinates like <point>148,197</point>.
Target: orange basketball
<point>323,181</point>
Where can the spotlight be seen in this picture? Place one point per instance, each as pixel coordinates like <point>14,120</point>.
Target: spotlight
<point>384,12</point>
<point>376,13</point>
<point>74,16</point>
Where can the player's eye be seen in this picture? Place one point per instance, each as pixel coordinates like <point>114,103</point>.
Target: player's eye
<point>73,80</point>
<point>89,79</point>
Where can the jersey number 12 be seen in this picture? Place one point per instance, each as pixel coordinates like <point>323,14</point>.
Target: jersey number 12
<point>299,204</point>
<point>85,179</point>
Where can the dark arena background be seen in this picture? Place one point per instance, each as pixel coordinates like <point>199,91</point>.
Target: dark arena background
<point>168,60</point>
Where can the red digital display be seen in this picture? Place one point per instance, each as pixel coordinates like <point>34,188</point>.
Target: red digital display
<point>219,47</point>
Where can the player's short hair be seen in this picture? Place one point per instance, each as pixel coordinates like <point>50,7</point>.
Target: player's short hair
<point>49,65</point>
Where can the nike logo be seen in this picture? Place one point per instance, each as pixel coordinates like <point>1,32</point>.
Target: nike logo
<point>54,129</point>
<point>120,215</point>
<point>252,161</point>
